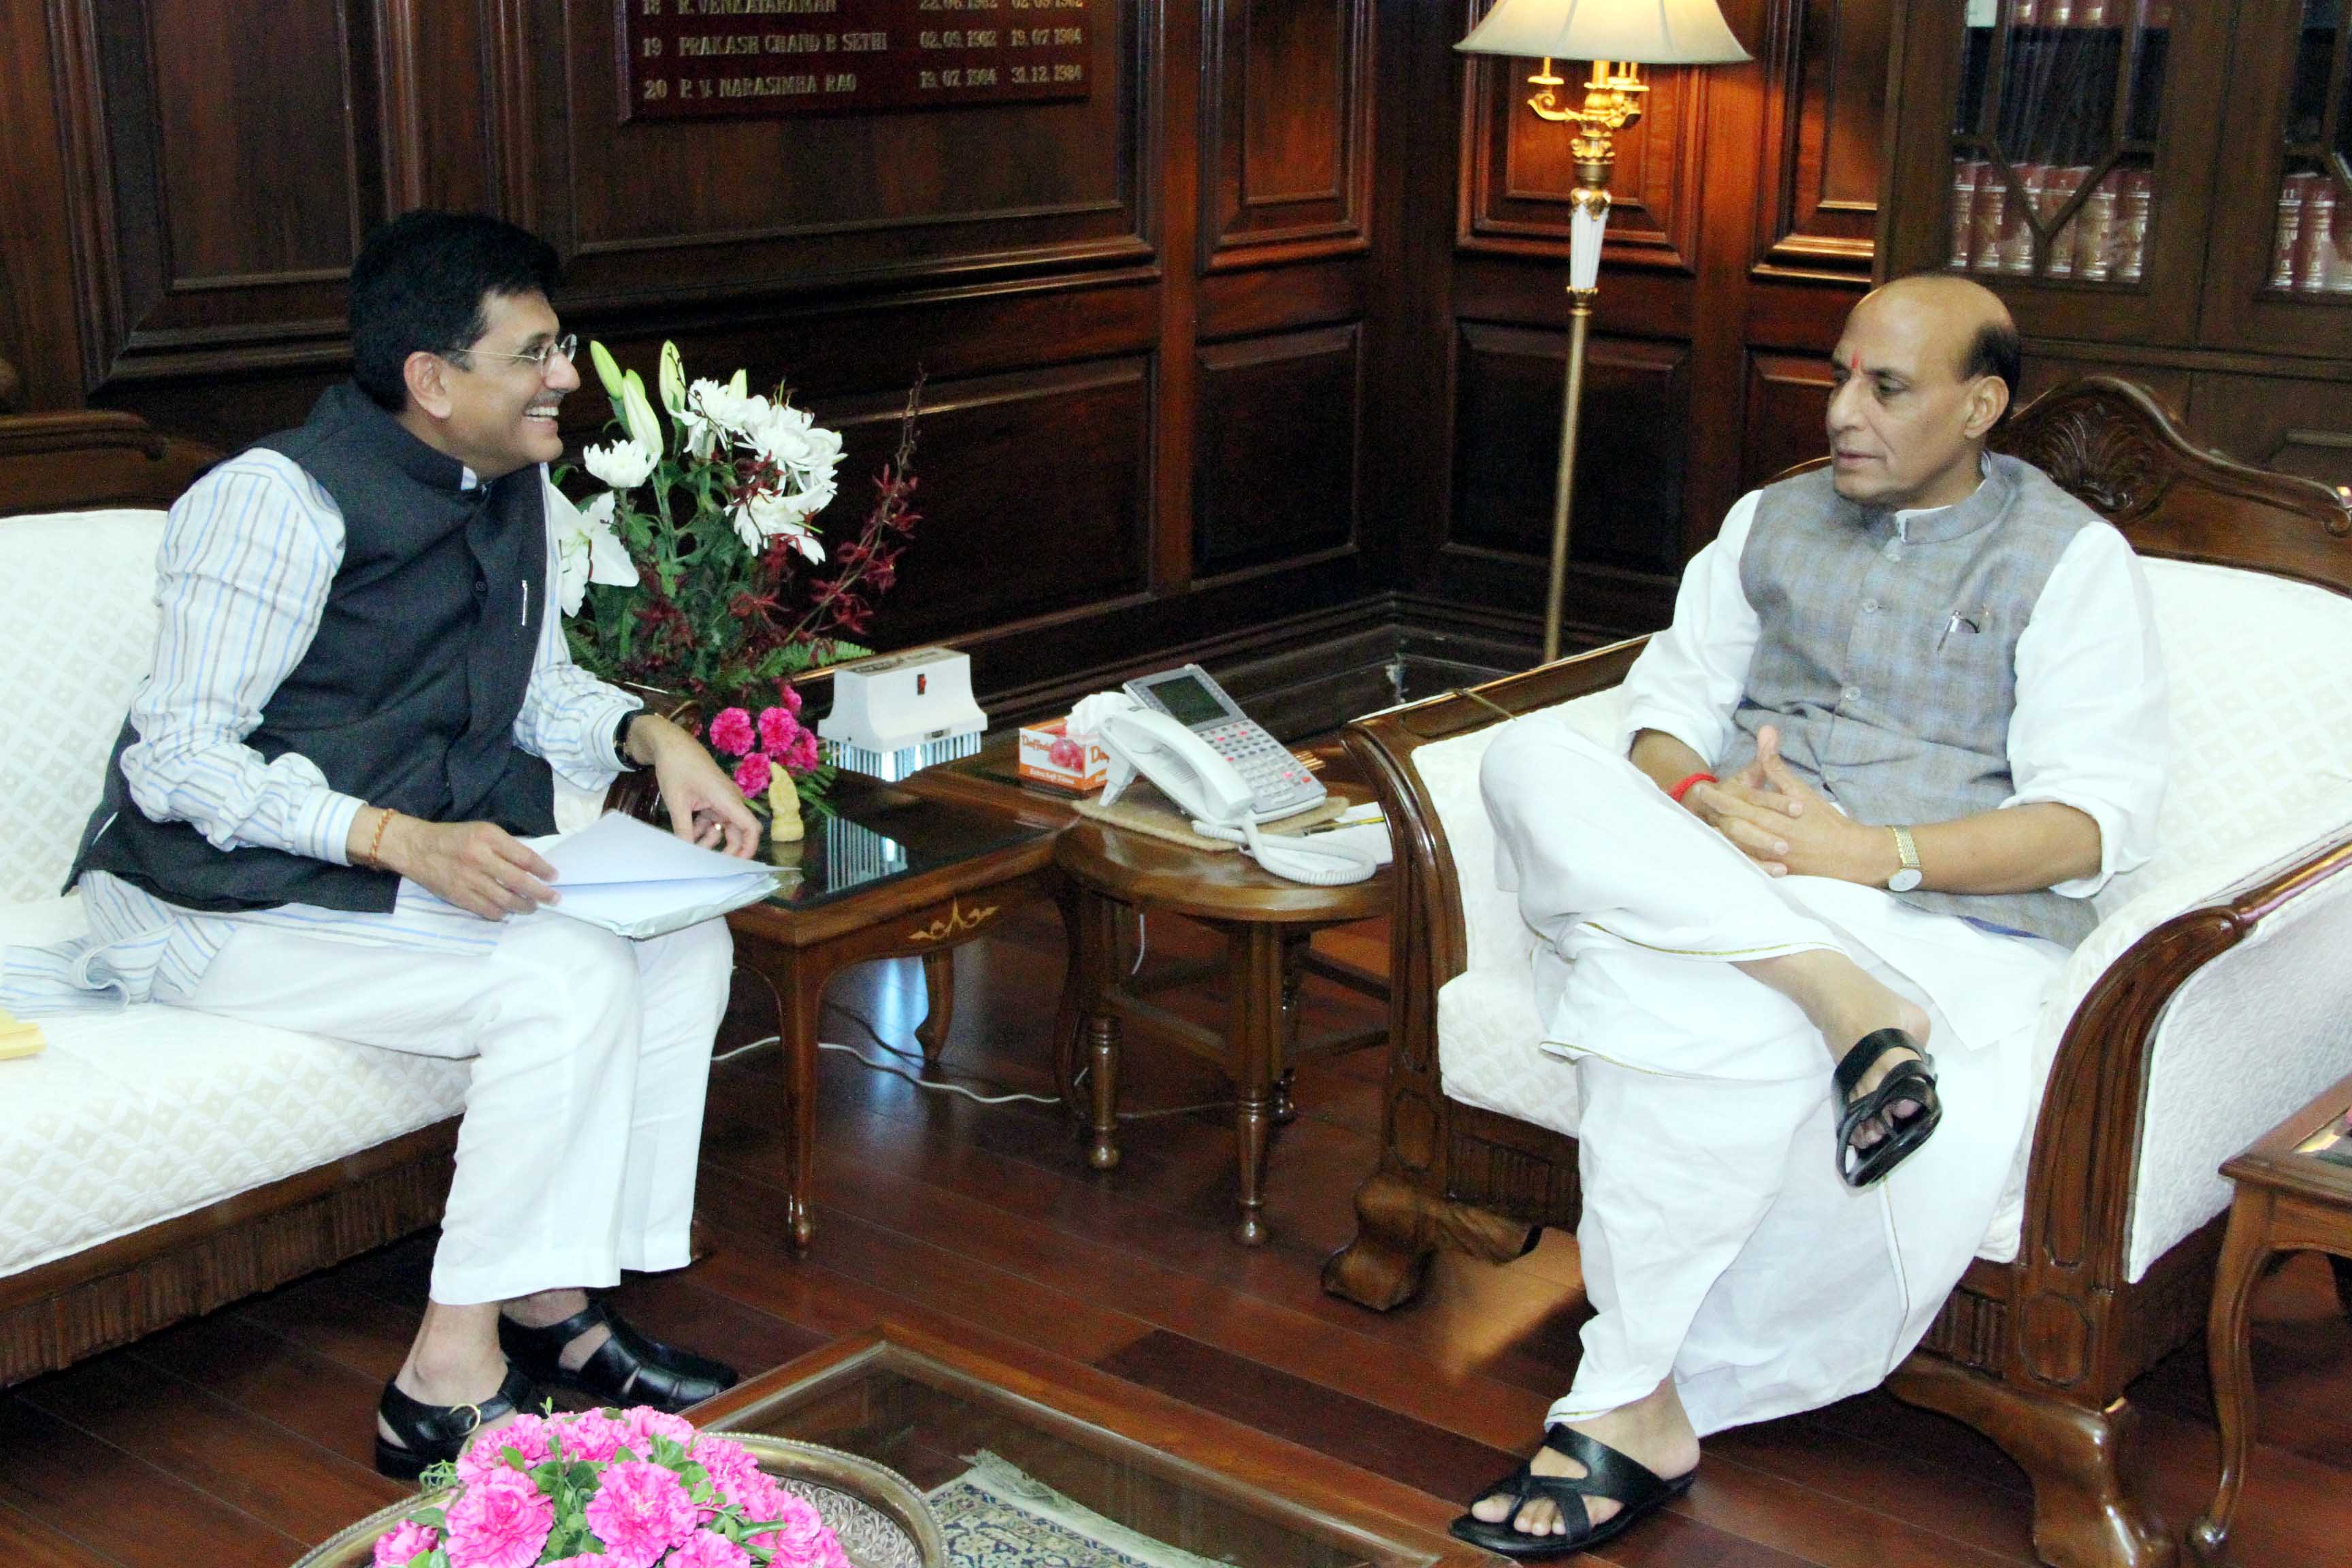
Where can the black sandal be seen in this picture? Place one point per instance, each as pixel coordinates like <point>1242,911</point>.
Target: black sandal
<point>430,1433</point>
<point>1911,1080</point>
<point>628,1368</point>
<point>1607,1474</point>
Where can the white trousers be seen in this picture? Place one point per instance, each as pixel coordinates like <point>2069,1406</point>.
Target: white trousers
<point>1718,1244</point>
<point>583,1117</point>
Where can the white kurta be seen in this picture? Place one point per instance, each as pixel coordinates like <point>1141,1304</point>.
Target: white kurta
<point>1718,1244</point>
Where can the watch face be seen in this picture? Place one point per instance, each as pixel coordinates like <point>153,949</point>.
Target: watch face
<point>1903,881</point>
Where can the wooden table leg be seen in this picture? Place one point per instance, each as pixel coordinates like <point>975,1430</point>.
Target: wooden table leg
<point>1254,1035</point>
<point>799,998</point>
<point>1295,946</point>
<point>1096,958</point>
<point>939,989</point>
<point>2232,1361</point>
<point>1068,1048</point>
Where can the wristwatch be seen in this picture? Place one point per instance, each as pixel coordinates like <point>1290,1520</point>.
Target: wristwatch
<point>621,739</point>
<point>1907,876</point>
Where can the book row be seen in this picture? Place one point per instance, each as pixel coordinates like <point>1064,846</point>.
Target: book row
<point>2312,250</point>
<point>2104,241</point>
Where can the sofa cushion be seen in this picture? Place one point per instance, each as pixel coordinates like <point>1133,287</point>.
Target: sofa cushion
<point>136,1115</point>
<point>76,645</point>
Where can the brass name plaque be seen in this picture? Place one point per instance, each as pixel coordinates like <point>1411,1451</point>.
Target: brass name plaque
<point>702,59</point>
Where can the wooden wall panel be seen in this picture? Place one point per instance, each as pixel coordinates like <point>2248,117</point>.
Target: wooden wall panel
<point>1287,127</point>
<point>1787,416</point>
<point>2296,426</point>
<point>1825,114</point>
<point>1277,471</point>
<point>1031,490</point>
<point>652,210</point>
<point>1630,445</point>
<point>201,233</point>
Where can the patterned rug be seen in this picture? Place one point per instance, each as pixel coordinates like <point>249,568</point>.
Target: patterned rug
<point>997,1516</point>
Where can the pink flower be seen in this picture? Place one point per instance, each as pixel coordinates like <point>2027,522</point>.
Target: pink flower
<point>593,1435</point>
<point>640,1511</point>
<point>777,728</point>
<point>404,1542</point>
<point>526,1435</point>
<point>704,1549</point>
<point>801,1539</point>
<point>499,1522</point>
<point>730,732</point>
<point>731,1465</point>
<point>648,1424</point>
<point>801,756</point>
<point>751,775</point>
<point>790,696</point>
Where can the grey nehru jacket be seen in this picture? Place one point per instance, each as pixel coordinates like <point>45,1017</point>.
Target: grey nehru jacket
<point>1888,660</point>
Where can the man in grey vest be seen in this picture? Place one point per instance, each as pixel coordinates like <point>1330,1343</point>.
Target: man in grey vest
<point>1797,915</point>
<point>313,819</point>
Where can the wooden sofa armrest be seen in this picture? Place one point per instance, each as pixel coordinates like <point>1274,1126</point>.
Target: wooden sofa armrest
<point>2074,1252</point>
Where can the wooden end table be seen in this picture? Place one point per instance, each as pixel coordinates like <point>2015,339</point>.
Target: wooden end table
<point>2288,1200</point>
<point>892,875</point>
<point>1267,924</point>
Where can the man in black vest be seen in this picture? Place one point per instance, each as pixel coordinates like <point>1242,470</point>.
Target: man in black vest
<point>313,820</point>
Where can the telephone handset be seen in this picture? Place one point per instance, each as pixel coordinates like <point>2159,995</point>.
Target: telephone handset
<point>1205,786</point>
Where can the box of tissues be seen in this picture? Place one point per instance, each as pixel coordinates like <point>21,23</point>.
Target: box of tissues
<point>1049,757</point>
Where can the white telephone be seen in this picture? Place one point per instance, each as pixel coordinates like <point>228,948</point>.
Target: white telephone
<point>1206,787</point>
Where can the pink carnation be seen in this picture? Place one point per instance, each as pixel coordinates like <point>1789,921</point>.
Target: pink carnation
<point>593,1435</point>
<point>499,1522</point>
<point>640,1511</point>
<point>730,732</point>
<point>751,775</point>
<point>801,1540</point>
<point>404,1542</point>
<point>790,696</point>
<point>704,1549</point>
<point>731,1465</point>
<point>801,755</point>
<point>648,1424</point>
<point>526,1435</point>
<point>777,728</point>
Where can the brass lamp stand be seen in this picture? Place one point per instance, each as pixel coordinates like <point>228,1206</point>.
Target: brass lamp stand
<point>1618,37</point>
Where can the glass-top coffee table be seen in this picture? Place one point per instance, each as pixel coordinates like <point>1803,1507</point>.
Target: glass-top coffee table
<point>889,875</point>
<point>1020,1449</point>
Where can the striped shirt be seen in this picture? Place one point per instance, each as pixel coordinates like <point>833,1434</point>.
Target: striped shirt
<point>242,579</point>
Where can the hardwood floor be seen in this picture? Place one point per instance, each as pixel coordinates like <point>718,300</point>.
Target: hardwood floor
<point>243,1437</point>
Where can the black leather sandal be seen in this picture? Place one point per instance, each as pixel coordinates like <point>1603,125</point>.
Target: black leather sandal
<point>1911,1080</point>
<point>429,1434</point>
<point>628,1368</point>
<point>1607,1474</point>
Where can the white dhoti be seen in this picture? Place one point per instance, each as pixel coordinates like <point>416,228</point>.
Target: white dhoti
<point>1719,1245</point>
<point>583,1118</point>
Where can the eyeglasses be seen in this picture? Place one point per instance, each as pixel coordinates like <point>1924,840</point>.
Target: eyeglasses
<point>563,348</point>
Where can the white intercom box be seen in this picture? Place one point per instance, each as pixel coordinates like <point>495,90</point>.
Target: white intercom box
<point>896,712</point>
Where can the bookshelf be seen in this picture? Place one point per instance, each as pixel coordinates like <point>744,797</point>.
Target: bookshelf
<point>2160,189</point>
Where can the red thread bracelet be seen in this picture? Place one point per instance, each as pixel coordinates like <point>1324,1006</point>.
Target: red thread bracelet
<point>1682,789</point>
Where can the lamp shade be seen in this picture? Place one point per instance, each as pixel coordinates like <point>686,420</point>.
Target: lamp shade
<point>1640,32</point>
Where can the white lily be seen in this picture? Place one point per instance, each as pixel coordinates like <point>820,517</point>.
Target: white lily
<point>586,549</point>
<point>765,515</point>
<point>638,414</point>
<point>625,465</point>
<point>673,380</point>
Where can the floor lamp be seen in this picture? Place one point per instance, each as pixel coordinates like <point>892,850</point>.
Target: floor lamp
<point>1618,37</point>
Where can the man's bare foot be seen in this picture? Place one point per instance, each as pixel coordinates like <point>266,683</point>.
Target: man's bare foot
<point>470,1380</point>
<point>548,1308</point>
<point>1653,1432</point>
<point>1845,1004</point>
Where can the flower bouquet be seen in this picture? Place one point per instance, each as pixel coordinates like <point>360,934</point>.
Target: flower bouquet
<point>700,571</point>
<point>607,1488</point>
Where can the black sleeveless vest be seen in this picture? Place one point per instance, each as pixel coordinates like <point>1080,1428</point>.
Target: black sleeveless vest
<point>408,695</point>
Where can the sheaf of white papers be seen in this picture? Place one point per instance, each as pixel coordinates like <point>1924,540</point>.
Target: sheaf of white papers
<point>638,880</point>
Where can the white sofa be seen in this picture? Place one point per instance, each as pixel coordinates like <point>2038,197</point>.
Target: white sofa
<point>2214,998</point>
<point>156,1162</point>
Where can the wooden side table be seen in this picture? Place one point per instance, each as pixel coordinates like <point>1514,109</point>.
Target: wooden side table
<point>1266,923</point>
<point>2288,1200</point>
<point>892,875</point>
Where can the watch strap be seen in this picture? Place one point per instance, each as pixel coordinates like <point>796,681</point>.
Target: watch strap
<point>621,739</point>
<point>1907,850</point>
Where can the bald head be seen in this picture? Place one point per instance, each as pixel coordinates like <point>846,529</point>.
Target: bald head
<point>1924,371</point>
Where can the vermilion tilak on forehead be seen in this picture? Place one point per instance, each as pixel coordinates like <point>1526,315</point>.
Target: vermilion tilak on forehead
<point>1853,364</point>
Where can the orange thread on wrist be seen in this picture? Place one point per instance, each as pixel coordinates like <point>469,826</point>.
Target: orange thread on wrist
<point>1682,789</point>
<point>375,842</point>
